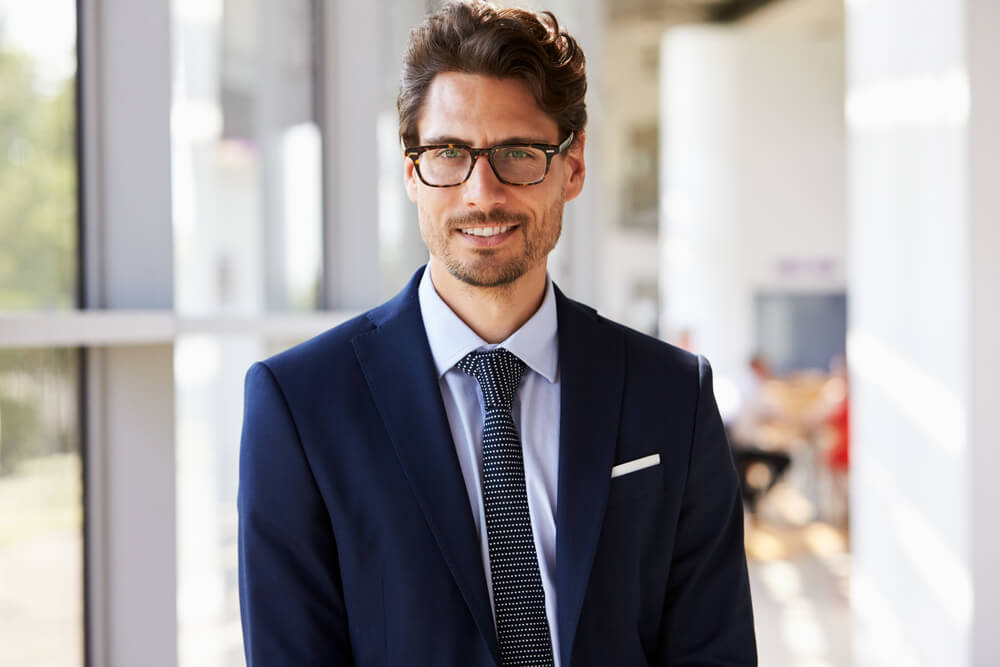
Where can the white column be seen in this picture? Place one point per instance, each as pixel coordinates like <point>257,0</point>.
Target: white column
<point>125,71</point>
<point>128,241</point>
<point>983,53</point>
<point>752,179</point>
<point>923,143</point>
<point>350,157</point>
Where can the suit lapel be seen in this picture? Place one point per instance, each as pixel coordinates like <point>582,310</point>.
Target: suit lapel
<point>397,364</point>
<point>591,367</point>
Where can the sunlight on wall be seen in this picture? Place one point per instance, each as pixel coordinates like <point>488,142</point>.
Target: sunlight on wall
<point>929,403</point>
<point>928,100</point>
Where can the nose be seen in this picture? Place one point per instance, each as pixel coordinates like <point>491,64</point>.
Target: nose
<point>483,190</point>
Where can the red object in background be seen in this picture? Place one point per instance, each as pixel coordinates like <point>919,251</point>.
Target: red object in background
<point>838,456</point>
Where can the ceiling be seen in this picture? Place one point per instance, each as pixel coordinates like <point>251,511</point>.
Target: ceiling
<point>721,11</point>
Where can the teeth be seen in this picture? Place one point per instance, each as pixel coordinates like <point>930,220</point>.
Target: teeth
<point>487,231</point>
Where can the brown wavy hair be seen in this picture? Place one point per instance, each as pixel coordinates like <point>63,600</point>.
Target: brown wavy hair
<point>478,38</point>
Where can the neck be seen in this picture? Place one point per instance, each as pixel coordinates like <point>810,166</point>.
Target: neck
<point>494,313</point>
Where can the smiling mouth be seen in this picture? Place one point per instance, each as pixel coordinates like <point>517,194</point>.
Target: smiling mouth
<point>487,231</point>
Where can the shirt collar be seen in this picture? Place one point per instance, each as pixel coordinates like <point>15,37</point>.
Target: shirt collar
<point>450,339</point>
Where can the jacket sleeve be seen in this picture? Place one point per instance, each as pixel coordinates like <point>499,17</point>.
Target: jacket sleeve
<point>291,597</point>
<point>708,617</point>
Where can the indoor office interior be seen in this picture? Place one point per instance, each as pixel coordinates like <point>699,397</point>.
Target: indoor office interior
<point>804,191</point>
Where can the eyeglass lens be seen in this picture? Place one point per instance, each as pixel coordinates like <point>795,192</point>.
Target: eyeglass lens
<point>514,164</point>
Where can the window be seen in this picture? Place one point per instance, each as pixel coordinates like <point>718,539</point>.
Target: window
<point>41,509</point>
<point>247,165</point>
<point>41,489</point>
<point>38,218</point>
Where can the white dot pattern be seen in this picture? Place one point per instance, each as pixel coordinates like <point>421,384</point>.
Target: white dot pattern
<point>518,597</point>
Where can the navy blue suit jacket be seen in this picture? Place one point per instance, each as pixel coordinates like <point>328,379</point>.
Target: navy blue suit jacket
<point>357,544</point>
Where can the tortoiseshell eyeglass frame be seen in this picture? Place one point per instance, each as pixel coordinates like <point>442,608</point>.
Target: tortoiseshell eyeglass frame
<point>550,150</point>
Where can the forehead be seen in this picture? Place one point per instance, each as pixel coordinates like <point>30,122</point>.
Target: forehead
<point>479,108</point>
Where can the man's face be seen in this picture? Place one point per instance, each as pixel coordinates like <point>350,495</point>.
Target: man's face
<point>482,111</point>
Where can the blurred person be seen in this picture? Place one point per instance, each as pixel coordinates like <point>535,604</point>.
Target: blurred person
<point>759,465</point>
<point>756,406</point>
<point>482,471</point>
<point>835,395</point>
<point>829,422</point>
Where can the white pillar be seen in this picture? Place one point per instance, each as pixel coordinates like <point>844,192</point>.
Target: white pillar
<point>350,103</point>
<point>752,179</point>
<point>983,55</point>
<point>128,241</point>
<point>923,143</point>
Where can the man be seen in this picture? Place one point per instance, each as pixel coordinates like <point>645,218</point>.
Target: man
<point>482,471</point>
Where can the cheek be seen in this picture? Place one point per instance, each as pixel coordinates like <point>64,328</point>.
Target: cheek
<point>430,214</point>
<point>434,206</point>
<point>550,201</point>
<point>425,209</point>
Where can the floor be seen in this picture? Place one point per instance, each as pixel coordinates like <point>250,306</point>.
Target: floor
<point>799,577</point>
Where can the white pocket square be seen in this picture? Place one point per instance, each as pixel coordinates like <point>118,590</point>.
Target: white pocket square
<point>635,464</point>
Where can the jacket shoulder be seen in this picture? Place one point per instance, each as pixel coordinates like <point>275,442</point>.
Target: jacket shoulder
<point>643,353</point>
<point>332,347</point>
<point>646,346</point>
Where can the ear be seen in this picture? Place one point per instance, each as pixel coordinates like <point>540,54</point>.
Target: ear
<point>410,179</point>
<point>575,171</point>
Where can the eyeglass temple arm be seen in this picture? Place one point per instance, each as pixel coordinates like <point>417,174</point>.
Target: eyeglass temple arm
<point>567,142</point>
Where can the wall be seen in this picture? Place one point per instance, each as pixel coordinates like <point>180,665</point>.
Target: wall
<point>923,99</point>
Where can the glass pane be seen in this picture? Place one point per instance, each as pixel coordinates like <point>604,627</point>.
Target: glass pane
<point>41,509</point>
<point>38,216</point>
<point>208,373</point>
<point>247,171</point>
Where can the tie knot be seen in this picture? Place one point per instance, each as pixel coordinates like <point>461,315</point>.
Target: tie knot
<point>498,371</point>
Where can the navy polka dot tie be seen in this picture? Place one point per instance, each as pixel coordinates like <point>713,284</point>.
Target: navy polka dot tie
<point>518,597</point>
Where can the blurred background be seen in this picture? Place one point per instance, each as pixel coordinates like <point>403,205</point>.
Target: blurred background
<point>802,190</point>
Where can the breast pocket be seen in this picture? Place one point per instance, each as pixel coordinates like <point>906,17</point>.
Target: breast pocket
<point>632,486</point>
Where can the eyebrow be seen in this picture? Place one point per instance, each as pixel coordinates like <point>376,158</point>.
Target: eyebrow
<point>433,141</point>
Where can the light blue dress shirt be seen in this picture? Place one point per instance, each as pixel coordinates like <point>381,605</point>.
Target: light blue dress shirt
<point>535,410</point>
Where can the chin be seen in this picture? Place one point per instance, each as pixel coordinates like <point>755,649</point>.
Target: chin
<point>493,276</point>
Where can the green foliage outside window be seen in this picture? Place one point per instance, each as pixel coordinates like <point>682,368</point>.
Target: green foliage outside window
<point>38,185</point>
<point>38,247</point>
<point>38,405</point>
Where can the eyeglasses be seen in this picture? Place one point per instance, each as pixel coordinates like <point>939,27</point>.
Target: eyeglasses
<point>448,165</point>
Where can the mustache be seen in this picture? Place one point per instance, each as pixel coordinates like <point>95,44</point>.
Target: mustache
<point>498,216</point>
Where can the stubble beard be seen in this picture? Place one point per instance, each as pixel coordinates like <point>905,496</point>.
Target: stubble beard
<point>486,271</point>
